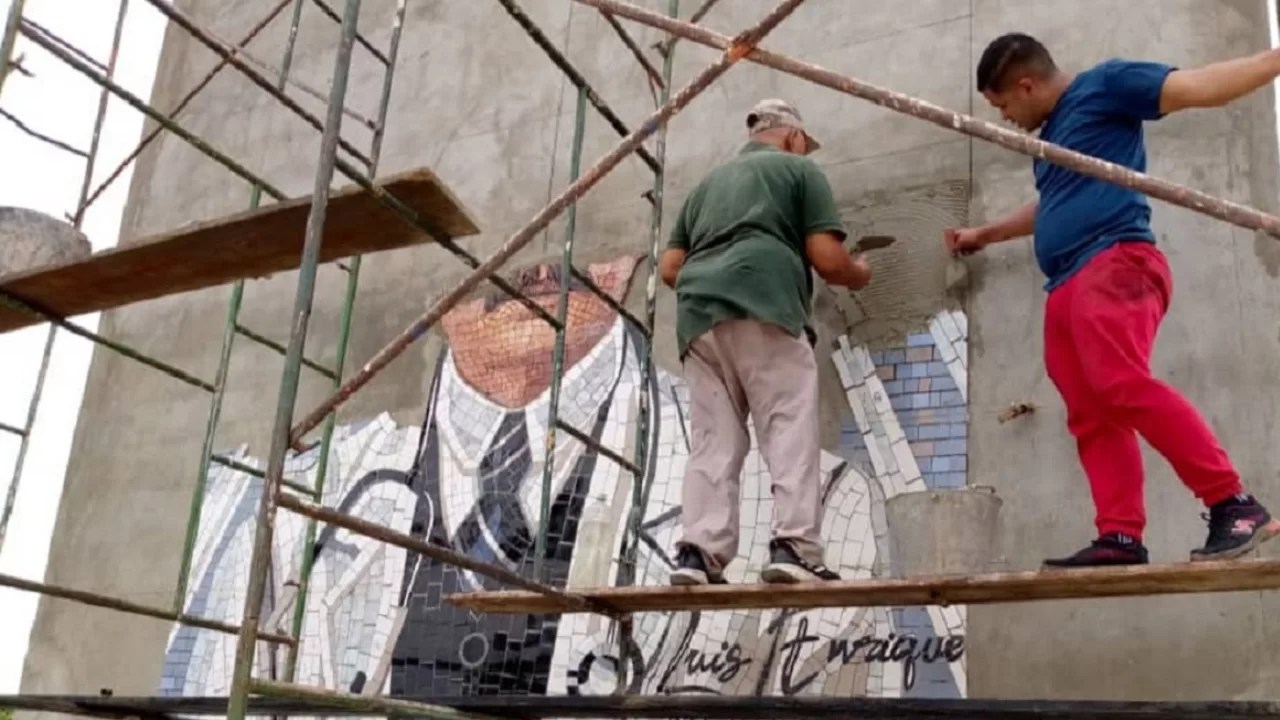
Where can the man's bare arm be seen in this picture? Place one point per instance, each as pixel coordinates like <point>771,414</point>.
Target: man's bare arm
<point>1019,223</point>
<point>669,265</point>
<point>1219,83</point>
<point>833,263</point>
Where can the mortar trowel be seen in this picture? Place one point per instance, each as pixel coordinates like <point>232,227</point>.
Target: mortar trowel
<point>867,243</point>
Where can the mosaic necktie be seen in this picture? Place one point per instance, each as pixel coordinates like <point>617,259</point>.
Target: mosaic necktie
<point>496,530</point>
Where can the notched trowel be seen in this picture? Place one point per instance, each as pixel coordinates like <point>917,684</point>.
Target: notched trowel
<point>847,304</point>
<point>867,243</point>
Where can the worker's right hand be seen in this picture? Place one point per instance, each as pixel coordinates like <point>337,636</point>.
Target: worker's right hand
<point>859,275</point>
<point>964,241</point>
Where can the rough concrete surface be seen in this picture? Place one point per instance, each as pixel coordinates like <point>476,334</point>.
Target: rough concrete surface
<point>31,240</point>
<point>477,102</point>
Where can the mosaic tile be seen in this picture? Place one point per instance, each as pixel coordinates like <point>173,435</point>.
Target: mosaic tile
<point>467,474</point>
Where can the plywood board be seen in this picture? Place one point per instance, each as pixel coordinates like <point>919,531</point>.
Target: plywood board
<point>246,245</point>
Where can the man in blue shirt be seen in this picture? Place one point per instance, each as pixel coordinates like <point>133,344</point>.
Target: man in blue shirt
<point>1109,286</point>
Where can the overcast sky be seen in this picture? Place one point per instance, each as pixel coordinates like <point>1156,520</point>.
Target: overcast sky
<point>61,103</point>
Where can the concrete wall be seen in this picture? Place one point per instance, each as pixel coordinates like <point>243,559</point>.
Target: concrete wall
<point>478,102</point>
<point>1219,343</point>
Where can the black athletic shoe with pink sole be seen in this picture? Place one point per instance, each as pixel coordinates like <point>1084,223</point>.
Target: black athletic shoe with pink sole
<point>786,566</point>
<point>1236,526</point>
<point>691,569</point>
<point>1107,550</point>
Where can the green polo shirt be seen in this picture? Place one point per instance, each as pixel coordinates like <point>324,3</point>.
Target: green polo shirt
<point>743,229</point>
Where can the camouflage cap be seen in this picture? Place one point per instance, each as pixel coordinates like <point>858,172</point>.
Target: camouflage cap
<point>772,113</point>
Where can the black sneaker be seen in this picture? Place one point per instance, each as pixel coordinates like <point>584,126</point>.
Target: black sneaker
<point>1109,549</point>
<point>691,569</point>
<point>786,566</point>
<point>1236,526</point>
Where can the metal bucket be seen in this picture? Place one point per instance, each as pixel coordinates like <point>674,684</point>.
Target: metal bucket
<point>30,240</point>
<point>944,532</point>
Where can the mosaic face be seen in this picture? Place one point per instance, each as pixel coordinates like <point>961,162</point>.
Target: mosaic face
<point>471,477</point>
<point>504,350</point>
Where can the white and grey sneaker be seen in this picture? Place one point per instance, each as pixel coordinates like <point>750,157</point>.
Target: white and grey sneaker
<point>786,566</point>
<point>691,569</point>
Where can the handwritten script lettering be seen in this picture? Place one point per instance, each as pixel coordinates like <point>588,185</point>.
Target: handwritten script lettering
<point>700,666</point>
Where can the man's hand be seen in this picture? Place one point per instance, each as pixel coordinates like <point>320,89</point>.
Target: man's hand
<point>860,276</point>
<point>669,264</point>
<point>965,241</point>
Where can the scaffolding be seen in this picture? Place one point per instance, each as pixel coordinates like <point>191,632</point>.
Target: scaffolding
<point>424,211</point>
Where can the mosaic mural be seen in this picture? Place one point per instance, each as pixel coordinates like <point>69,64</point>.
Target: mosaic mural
<point>470,477</point>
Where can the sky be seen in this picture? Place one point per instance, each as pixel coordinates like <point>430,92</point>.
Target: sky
<point>61,103</point>
<point>40,177</point>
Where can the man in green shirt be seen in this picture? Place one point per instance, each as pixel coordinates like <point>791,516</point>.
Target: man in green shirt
<point>740,259</point>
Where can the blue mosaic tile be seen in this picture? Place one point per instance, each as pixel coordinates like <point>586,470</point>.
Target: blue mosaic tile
<point>943,383</point>
<point>932,432</point>
<point>952,447</point>
<point>920,340</point>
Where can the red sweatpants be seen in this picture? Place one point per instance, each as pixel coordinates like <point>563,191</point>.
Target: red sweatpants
<point>1099,329</point>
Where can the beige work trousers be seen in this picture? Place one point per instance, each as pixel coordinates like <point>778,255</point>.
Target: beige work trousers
<point>741,367</point>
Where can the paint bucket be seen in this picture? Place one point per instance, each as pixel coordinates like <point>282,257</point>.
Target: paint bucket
<point>944,532</point>
<point>30,240</point>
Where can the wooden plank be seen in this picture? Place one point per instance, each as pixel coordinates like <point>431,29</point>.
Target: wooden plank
<point>747,707</point>
<point>666,706</point>
<point>1223,576</point>
<point>250,244</point>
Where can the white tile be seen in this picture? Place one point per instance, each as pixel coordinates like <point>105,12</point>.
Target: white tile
<point>961,675</point>
<point>854,397</point>
<point>949,326</point>
<point>867,558</point>
<point>906,460</point>
<point>860,364</point>
<point>842,369</point>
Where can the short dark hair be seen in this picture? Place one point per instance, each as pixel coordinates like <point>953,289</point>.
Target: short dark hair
<point>1012,51</point>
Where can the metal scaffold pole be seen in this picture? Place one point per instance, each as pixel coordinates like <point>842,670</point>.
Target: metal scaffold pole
<point>1023,143</point>
<point>178,108</point>
<point>522,237</point>
<point>266,513</point>
<point>557,356</point>
<point>344,336</point>
<point>329,223</point>
<point>224,366</point>
<point>644,483</point>
<point>8,37</point>
<point>46,356</point>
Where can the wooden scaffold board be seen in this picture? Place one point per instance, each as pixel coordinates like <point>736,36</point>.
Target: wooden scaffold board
<point>729,707</point>
<point>990,588</point>
<point>250,244</point>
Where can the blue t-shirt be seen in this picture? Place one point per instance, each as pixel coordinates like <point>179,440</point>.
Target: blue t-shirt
<point>1100,114</point>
